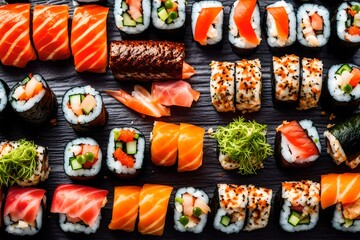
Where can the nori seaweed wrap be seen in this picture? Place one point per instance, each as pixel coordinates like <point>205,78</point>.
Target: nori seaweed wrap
<point>4,103</point>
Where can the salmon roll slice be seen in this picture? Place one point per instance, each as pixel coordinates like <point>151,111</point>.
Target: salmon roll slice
<point>89,38</point>
<point>153,207</point>
<point>164,143</point>
<point>50,32</point>
<point>190,147</point>
<point>15,46</point>
<point>125,208</point>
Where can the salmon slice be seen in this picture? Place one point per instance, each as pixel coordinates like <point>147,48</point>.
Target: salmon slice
<point>135,10</point>
<point>51,32</point>
<point>15,46</point>
<point>190,147</point>
<point>153,205</point>
<point>355,80</point>
<point>206,17</point>
<point>187,71</point>
<point>281,20</point>
<point>243,18</point>
<point>89,38</point>
<point>125,208</point>
<point>317,22</point>
<point>164,143</point>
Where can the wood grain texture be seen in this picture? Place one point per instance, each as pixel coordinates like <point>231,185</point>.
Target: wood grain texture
<point>61,76</point>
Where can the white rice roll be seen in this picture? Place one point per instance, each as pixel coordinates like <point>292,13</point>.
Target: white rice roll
<point>339,223</point>
<point>176,23</point>
<point>79,227</point>
<point>3,96</point>
<point>341,19</point>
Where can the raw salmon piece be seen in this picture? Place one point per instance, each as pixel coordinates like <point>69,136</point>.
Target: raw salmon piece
<point>89,38</point>
<point>243,18</point>
<point>164,143</point>
<point>153,205</point>
<point>281,20</point>
<point>190,147</point>
<point>15,46</point>
<point>50,32</point>
<point>317,22</point>
<point>206,17</point>
<point>135,10</point>
<point>125,208</point>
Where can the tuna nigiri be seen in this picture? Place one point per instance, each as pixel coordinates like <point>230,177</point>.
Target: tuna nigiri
<point>89,38</point>
<point>153,205</point>
<point>50,32</point>
<point>15,46</point>
<point>190,147</point>
<point>125,209</point>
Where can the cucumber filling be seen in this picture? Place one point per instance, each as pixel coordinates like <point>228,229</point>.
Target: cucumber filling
<point>296,218</point>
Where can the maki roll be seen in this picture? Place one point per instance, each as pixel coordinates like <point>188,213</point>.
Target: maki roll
<point>33,100</point>
<point>230,203</point>
<point>23,162</point>
<point>280,24</point>
<point>313,25</point>
<point>343,142</point>
<point>191,210</point>
<point>81,2</point>
<point>23,210</point>
<point>125,152</point>
<point>84,109</point>
<point>300,205</point>
<point>79,207</point>
<point>132,17</point>
<point>82,159</point>
<point>206,22</point>
<point>169,15</point>
<point>244,26</point>
<point>297,144</point>
<point>4,103</point>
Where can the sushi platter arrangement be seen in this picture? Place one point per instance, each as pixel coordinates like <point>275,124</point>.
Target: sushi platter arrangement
<point>170,119</point>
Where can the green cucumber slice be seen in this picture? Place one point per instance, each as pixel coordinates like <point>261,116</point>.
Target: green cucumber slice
<point>75,100</point>
<point>128,21</point>
<point>294,218</point>
<point>344,68</point>
<point>163,15</point>
<point>131,147</point>
<point>124,6</point>
<point>225,220</point>
<point>116,134</point>
<point>348,222</point>
<point>118,145</point>
<point>75,165</point>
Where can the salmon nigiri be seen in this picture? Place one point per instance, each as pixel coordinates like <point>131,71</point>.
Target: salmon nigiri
<point>50,32</point>
<point>190,147</point>
<point>153,205</point>
<point>89,38</point>
<point>15,46</point>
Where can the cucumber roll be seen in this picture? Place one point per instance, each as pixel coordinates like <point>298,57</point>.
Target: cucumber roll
<point>125,152</point>
<point>84,109</point>
<point>82,159</point>
<point>169,15</point>
<point>191,210</point>
<point>300,205</point>
<point>33,100</point>
<point>4,103</point>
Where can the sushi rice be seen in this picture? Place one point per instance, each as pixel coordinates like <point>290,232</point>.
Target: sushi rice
<point>338,221</point>
<point>3,97</point>
<point>78,227</point>
<point>176,23</point>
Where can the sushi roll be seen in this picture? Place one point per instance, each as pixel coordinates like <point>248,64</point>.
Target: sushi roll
<point>230,203</point>
<point>207,21</point>
<point>343,142</point>
<point>259,206</point>
<point>244,26</point>
<point>24,172</point>
<point>311,83</point>
<point>79,207</point>
<point>84,109</point>
<point>297,144</point>
<point>300,205</point>
<point>222,85</point>
<point>33,100</point>
<point>132,17</point>
<point>280,24</point>
<point>169,15</point>
<point>125,152</point>
<point>82,159</point>
<point>81,2</point>
<point>4,103</point>
<point>342,88</point>
<point>285,80</point>
<point>191,210</point>
<point>248,85</point>
<point>313,25</point>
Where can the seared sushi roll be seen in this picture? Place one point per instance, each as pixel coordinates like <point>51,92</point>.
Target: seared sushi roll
<point>313,25</point>
<point>259,206</point>
<point>286,79</point>
<point>82,159</point>
<point>207,21</point>
<point>311,84</point>
<point>280,24</point>
<point>297,144</point>
<point>248,85</point>
<point>23,210</point>
<point>244,26</point>
<point>132,17</point>
<point>4,103</point>
<point>222,85</point>
<point>125,152</point>
<point>33,100</point>
<point>84,109</point>
<point>169,15</point>
<point>300,205</point>
<point>191,210</point>
<point>343,142</point>
<point>230,203</point>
